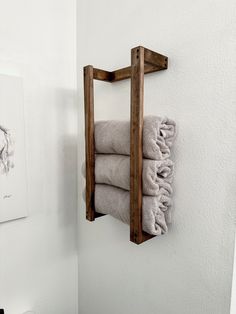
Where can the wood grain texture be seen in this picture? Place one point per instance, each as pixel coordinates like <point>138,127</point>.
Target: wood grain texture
<point>156,59</point>
<point>136,145</point>
<point>123,74</point>
<point>91,214</point>
<point>89,141</point>
<point>102,75</point>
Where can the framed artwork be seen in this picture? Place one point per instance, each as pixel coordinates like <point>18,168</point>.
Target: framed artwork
<point>13,174</point>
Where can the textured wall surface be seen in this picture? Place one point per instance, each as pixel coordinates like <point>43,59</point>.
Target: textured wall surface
<point>190,269</point>
<point>233,292</point>
<point>38,262</point>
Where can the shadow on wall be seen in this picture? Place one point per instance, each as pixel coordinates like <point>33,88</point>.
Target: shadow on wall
<point>67,112</point>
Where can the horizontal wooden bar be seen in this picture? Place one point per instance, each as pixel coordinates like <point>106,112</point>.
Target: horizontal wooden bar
<point>149,68</point>
<point>155,58</point>
<point>102,75</point>
<point>125,73</point>
<point>121,74</point>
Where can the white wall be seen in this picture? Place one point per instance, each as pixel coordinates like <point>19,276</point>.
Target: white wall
<point>38,263</point>
<point>190,269</point>
<point>233,292</point>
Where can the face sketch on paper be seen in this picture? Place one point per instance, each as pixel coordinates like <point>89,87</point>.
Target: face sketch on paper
<point>6,151</point>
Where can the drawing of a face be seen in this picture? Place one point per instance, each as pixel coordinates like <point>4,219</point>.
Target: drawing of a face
<point>6,151</point>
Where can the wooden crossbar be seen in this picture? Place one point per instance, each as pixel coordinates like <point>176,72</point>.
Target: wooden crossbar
<point>143,61</point>
<point>153,62</point>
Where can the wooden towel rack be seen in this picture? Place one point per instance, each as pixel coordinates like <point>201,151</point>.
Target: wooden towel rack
<point>143,61</point>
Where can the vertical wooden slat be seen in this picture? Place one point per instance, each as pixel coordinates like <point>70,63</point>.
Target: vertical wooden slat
<point>89,141</point>
<point>136,144</point>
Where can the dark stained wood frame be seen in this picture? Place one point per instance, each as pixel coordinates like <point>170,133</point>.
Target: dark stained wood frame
<point>143,61</point>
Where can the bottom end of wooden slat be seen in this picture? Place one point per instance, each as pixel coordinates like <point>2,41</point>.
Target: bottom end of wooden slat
<point>143,237</point>
<point>90,218</point>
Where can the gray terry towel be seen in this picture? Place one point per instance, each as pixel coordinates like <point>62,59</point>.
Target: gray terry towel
<point>113,137</point>
<point>115,170</point>
<point>117,203</point>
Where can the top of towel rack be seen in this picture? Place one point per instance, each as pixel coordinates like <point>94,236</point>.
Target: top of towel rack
<point>143,61</point>
<point>153,62</point>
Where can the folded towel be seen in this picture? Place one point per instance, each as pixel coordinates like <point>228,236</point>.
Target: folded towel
<point>115,170</point>
<point>113,137</point>
<point>117,203</point>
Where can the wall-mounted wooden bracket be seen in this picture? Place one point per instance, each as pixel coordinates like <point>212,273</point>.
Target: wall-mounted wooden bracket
<point>143,61</point>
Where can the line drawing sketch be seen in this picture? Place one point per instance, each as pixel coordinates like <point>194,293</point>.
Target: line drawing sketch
<point>13,154</point>
<point>6,151</point>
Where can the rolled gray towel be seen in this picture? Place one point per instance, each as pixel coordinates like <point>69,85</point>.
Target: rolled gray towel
<point>117,204</point>
<point>113,137</point>
<point>115,170</point>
